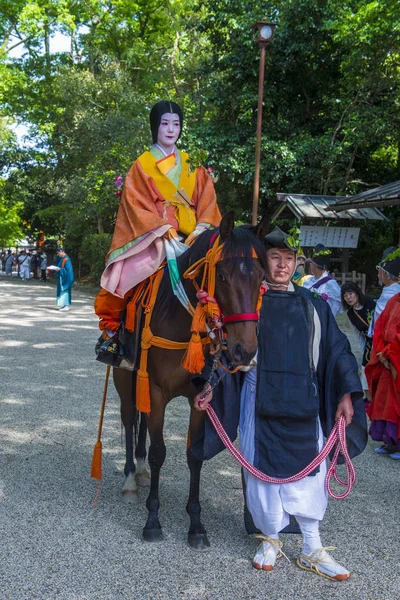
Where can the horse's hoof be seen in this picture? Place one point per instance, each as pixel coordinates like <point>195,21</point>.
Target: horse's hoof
<point>198,542</point>
<point>153,535</point>
<point>130,497</point>
<point>143,478</point>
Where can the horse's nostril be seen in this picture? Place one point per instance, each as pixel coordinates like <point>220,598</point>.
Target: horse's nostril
<point>237,352</point>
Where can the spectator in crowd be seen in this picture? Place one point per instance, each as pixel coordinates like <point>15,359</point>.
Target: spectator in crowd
<point>360,309</point>
<point>43,266</point>
<point>306,273</point>
<point>322,282</point>
<point>24,260</point>
<point>383,375</point>
<point>299,272</point>
<point>35,263</point>
<point>388,273</point>
<point>10,259</point>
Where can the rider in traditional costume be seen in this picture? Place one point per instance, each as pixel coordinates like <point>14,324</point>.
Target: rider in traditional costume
<point>306,378</point>
<point>164,200</point>
<point>322,282</point>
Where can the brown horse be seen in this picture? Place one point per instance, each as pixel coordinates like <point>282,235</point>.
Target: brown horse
<point>239,275</point>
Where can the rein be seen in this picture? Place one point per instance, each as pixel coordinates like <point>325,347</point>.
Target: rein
<point>336,438</point>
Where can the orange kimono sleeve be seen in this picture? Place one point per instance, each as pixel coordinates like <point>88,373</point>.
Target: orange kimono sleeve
<point>137,213</point>
<point>205,199</point>
<point>109,309</point>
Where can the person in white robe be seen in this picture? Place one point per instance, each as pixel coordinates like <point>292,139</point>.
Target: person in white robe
<point>322,282</point>
<point>388,275</point>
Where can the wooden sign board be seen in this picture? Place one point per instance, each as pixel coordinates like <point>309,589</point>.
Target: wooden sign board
<point>331,237</point>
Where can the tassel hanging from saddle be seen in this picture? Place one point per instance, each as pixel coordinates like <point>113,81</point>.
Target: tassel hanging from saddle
<point>206,308</point>
<point>97,452</point>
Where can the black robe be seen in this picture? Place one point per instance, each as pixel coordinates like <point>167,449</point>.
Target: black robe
<point>336,375</point>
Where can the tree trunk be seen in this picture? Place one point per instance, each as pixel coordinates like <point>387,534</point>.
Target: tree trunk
<point>47,51</point>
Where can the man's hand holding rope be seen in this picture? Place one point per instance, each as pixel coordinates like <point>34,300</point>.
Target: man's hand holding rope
<point>203,399</point>
<point>345,408</point>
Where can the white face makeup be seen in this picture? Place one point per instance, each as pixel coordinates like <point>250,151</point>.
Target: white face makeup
<point>168,132</point>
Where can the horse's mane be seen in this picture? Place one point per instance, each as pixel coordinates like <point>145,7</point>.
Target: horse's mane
<point>241,244</point>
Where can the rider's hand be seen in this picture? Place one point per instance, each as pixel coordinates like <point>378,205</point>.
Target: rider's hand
<point>204,398</point>
<point>345,407</point>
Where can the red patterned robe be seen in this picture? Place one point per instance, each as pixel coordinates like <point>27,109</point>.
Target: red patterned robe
<point>384,383</point>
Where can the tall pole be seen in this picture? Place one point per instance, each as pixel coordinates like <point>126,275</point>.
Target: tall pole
<point>256,189</point>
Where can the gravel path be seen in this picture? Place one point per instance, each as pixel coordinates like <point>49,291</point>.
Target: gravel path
<point>55,546</point>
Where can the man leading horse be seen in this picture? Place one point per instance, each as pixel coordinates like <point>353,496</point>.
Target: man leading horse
<point>306,378</point>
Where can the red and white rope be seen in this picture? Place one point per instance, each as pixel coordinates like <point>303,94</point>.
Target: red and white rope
<point>337,437</point>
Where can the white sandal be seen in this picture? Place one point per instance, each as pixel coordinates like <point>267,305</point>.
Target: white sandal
<point>268,551</point>
<point>321,563</point>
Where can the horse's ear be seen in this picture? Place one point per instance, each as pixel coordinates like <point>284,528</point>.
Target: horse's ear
<point>226,226</point>
<point>262,228</point>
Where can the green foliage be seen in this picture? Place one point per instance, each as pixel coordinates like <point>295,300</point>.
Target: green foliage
<point>330,117</point>
<point>93,251</point>
<point>10,224</point>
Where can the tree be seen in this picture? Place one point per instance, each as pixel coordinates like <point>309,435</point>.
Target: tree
<point>10,224</point>
<point>330,122</point>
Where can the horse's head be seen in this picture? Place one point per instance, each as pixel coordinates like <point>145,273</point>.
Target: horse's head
<point>239,275</point>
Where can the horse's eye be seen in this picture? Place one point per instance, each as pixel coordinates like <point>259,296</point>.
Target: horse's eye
<point>221,276</point>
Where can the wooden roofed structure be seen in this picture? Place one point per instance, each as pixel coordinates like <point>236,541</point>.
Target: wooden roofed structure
<point>307,206</point>
<point>385,195</point>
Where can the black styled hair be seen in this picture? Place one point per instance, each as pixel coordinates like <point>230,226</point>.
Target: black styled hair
<point>160,109</point>
<point>352,287</point>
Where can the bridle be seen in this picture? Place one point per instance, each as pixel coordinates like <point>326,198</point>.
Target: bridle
<point>205,292</point>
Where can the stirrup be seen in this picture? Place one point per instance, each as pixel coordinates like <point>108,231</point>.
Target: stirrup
<point>315,562</point>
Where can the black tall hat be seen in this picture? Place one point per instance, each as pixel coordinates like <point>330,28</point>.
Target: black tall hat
<point>321,256</point>
<point>279,239</point>
<point>160,109</point>
<point>391,261</point>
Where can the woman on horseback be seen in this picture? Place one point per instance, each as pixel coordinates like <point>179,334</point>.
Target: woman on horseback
<point>163,201</point>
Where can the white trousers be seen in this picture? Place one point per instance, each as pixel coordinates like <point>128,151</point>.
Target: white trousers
<point>25,271</point>
<point>271,504</point>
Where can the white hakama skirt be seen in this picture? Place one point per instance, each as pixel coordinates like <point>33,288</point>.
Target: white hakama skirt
<point>271,504</point>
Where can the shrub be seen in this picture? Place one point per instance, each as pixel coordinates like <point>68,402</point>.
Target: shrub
<point>93,251</point>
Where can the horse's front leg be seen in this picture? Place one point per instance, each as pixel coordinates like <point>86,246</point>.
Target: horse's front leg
<point>124,382</point>
<point>142,475</point>
<point>152,531</point>
<point>197,536</point>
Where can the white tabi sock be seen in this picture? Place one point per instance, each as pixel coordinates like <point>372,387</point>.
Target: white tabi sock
<point>267,552</point>
<point>310,531</point>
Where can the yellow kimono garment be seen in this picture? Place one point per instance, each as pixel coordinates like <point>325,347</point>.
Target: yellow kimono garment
<point>181,196</point>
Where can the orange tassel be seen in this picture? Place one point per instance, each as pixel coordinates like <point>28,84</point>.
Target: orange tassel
<point>199,320</point>
<point>193,360</point>
<point>96,462</point>
<point>130,316</point>
<point>143,392</point>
